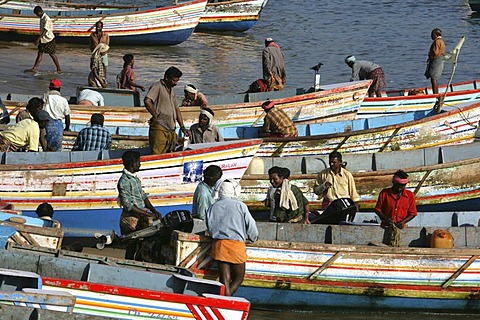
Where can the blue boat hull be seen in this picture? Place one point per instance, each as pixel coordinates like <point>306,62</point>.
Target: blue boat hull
<point>238,26</point>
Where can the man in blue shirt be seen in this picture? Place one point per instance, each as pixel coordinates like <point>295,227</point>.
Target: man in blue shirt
<point>95,137</point>
<point>203,196</point>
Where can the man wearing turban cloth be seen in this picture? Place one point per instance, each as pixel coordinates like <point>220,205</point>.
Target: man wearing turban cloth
<point>193,97</point>
<point>205,131</point>
<point>396,205</point>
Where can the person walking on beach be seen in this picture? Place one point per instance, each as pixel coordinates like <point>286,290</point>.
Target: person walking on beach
<point>46,41</point>
<point>205,131</point>
<point>58,109</point>
<point>276,123</point>
<point>99,36</point>
<point>230,224</point>
<point>362,70</point>
<point>273,62</point>
<point>203,196</point>
<point>161,103</point>
<point>98,74</point>
<point>435,59</point>
<point>126,78</point>
<point>95,137</point>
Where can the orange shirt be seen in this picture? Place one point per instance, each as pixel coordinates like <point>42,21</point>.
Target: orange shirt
<point>437,49</point>
<point>396,209</point>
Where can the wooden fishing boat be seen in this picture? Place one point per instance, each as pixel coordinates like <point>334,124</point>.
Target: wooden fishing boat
<point>127,289</point>
<point>129,26</point>
<point>474,5</point>
<point>333,102</point>
<point>234,15</point>
<point>442,178</point>
<point>288,273</point>
<point>82,186</point>
<point>400,101</point>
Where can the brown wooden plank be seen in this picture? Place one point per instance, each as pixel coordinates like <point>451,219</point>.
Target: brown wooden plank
<point>460,270</point>
<point>325,265</point>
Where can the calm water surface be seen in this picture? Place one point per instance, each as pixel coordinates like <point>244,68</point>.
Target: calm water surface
<point>394,34</point>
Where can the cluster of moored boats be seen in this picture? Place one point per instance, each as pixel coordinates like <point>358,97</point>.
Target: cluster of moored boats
<point>293,265</point>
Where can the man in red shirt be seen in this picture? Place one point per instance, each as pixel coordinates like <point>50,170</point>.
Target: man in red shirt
<point>396,205</point>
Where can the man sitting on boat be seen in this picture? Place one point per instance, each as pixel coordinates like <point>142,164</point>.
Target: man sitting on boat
<point>230,224</point>
<point>396,205</point>
<point>138,212</point>
<point>205,131</point>
<point>193,97</point>
<point>203,196</point>
<point>276,123</point>
<point>337,187</point>
<point>285,200</point>
<point>88,97</point>
<point>363,70</point>
<point>95,137</point>
<point>25,135</point>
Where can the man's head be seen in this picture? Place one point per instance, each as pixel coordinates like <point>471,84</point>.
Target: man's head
<point>38,11</point>
<point>128,59</point>
<point>34,105</point>
<point>172,76</point>
<point>276,176</point>
<point>268,41</point>
<point>44,210</point>
<point>42,117</point>
<point>131,161</point>
<point>97,119</point>
<point>335,161</point>
<point>190,91</point>
<point>98,26</point>
<point>211,175</point>
<point>436,33</point>
<point>399,181</point>
<point>350,60</point>
<point>55,84</point>
<point>206,117</point>
<point>268,105</point>
<point>229,188</point>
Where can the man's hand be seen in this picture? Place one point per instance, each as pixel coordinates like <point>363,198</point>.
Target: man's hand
<point>185,131</point>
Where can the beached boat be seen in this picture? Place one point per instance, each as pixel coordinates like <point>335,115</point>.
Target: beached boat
<point>234,15</point>
<point>442,178</point>
<point>400,101</point>
<point>82,186</point>
<point>333,102</point>
<point>288,273</point>
<point>127,289</point>
<point>130,26</point>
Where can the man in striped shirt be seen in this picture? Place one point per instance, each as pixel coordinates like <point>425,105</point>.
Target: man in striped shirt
<point>276,123</point>
<point>95,137</point>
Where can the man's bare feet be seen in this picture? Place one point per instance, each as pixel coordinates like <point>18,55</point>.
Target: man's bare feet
<point>31,70</point>
<point>59,71</point>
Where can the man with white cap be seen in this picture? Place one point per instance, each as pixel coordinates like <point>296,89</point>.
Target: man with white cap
<point>230,224</point>
<point>363,70</point>
<point>273,62</point>
<point>396,205</point>
<point>193,97</point>
<point>205,131</point>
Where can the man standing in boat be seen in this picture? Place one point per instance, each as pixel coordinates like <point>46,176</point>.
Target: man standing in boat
<point>435,59</point>
<point>362,70</point>
<point>161,103</point>
<point>396,205</point>
<point>203,196</point>
<point>99,36</point>
<point>230,224</point>
<point>273,62</point>
<point>58,109</point>
<point>337,188</point>
<point>46,41</point>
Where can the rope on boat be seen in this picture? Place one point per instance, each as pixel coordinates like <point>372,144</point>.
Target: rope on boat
<point>393,235</point>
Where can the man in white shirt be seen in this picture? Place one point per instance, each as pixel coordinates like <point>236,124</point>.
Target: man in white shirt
<point>58,109</point>
<point>89,97</point>
<point>46,40</point>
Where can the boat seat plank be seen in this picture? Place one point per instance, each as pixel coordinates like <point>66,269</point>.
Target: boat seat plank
<point>225,99</point>
<point>196,286</point>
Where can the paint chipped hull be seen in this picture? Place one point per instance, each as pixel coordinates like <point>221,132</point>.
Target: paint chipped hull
<point>315,275</point>
<point>236,15</point>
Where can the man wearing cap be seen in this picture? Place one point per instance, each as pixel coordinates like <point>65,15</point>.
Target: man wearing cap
<point>396,205</point>
<point>276,123</point>
<point>230,224</point>
<point>273,63</point>
<point>435,59</point>
<point>95,137</point>
<point>363,70</point>
<point>161,103</point>
<point>205,131</point>
<point>25,135</point>
<point>46,40</point>
<point>58,109</point>
<point>193,97</point>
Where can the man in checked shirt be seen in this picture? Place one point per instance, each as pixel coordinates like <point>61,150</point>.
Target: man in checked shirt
<point>95,137</point>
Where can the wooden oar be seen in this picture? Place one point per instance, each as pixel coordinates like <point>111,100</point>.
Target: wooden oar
<point>454,53</point>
